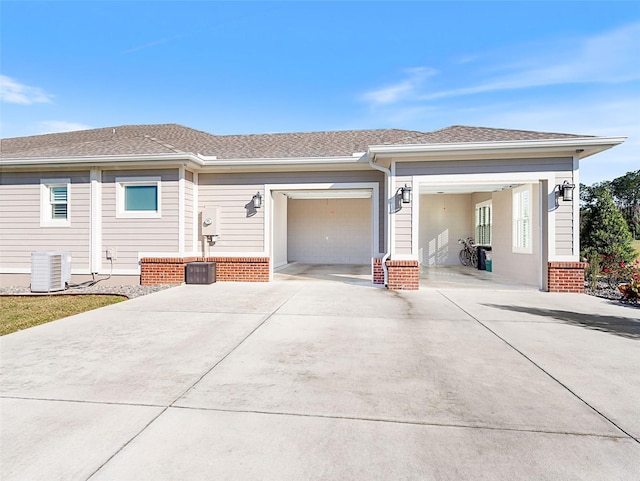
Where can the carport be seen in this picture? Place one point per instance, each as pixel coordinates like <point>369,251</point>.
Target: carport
<point>484,210</point>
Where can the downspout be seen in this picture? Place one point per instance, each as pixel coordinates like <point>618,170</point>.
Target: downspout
<point>387,196</point>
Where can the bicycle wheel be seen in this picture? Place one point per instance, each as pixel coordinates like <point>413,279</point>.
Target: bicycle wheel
<point>464,257</point>
<point>473,258</point>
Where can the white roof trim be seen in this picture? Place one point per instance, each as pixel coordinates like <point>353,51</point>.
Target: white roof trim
<point>199,161</point>
<point>590,145</point>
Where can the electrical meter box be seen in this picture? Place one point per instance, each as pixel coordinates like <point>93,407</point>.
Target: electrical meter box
<point>211,221</point>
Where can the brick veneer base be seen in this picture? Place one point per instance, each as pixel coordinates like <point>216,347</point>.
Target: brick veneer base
<point>403,275</point>
<point>170,270</point>
<point>566,277</point>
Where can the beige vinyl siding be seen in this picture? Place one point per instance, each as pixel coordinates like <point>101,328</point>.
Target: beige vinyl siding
<point>20,231</point>
<point>403,218</point>
<point>188,212</point>
<point>231,192</point>
<point>238,233</point>
<point>129,236</point>
<point>564,220</point>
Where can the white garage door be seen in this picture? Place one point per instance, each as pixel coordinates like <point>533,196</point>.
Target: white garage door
<point>329,231</point>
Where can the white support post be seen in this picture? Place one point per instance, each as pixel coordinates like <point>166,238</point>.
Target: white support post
<point>95,189</point>
<point>181,209</point>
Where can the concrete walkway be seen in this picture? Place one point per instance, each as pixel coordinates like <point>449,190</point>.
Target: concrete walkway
<point>326,379</point>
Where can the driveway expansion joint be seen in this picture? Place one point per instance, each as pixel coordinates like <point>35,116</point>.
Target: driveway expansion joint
<point>85,401</point>
<point>144,428</point>
<point>551,376</point>
<point>402,422</point>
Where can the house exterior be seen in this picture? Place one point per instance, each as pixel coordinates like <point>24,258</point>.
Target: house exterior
<point>139,202</point>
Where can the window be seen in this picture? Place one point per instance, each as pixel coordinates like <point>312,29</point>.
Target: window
<point>54,203</point>
<point>522,219</point>
<point>483,223</point>
<point>138,197</point>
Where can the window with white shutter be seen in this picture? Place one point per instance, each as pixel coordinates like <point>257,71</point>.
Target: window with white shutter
<point>522,219</point>
<point>484,219</point>
<point>54,202</point>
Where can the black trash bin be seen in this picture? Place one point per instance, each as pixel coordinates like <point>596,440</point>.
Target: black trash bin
<point>200,273</point>
<point>482,259</point>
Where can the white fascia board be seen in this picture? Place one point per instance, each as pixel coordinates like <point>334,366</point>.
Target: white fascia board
<point>194,161</point>
<point>284,163</point>
<point>104,161</point>
<point>589,146</point>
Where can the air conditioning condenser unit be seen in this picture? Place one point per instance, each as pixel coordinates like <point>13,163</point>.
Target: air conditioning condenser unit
<point>50,271</point>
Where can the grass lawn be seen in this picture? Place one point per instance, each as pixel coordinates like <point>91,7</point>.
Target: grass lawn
<point>636,246</point>
<point>21,312</point>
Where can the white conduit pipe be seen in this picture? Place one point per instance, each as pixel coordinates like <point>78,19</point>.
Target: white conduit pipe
<point>387,196</point>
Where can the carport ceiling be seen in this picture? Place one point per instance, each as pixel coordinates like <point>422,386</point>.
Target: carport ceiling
<point>328,194</point>
<point>463,188</point>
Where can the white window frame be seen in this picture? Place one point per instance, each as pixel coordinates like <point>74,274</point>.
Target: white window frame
<point>487,203</point>
<point>521,243</point>
<point>46,214</point>
<point>122,183</point>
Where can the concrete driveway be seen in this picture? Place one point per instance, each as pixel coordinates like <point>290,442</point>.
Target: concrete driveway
<point>319,379</point>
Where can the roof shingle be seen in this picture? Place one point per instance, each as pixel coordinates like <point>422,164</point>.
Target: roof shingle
<point>173,138</point>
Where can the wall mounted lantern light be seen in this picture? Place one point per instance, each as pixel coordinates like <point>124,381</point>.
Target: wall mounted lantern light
<point>257,200</point>
<point>406,194</point>
<point>566,191</point>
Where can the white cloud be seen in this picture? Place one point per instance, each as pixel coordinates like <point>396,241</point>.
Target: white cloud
<point>401,90</point>
<point>607,58</point>
<point>54,126</point>
<point>611,57</point>
<point>13,92</point>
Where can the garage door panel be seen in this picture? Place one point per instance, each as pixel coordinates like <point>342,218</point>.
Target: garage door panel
<point>329,231</point>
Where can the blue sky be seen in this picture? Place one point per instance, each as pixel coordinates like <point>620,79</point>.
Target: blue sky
<point>255,67</point>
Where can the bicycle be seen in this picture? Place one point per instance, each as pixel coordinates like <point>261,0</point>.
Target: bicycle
<point>469,254</point>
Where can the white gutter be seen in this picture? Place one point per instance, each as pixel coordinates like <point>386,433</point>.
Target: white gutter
<point>387,196</point>
<point>591,145</point>
<point>198,161</point>
<point>101,160</point>
<point>209,160</point>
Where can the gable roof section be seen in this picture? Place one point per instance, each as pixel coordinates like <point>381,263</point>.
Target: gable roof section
<point>461,134</point>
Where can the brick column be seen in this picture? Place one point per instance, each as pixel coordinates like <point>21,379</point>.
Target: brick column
<point>403,275</point>
<point>378,272</point>
<point>566,277</point>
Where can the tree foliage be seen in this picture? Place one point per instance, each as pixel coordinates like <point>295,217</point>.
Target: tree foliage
<point>604,231</point>
<point>626,195</point>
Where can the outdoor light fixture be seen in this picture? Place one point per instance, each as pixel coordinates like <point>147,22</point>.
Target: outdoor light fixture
<point>406,194</point>
<point>257,200</point>
<point>566,190</point>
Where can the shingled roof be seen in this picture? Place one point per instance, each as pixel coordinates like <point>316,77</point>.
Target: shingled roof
<point>461,133</point>
<point>173,138</point>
